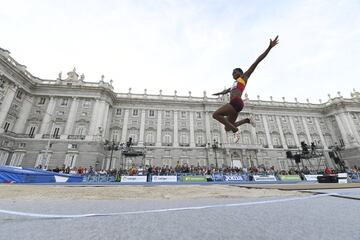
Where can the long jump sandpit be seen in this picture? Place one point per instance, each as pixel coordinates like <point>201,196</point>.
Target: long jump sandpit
<point>125,192</point>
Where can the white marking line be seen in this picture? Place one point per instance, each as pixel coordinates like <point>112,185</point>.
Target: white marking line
<point>165,209</point>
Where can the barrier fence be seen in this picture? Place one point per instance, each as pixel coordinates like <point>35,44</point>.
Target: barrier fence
<point>218,177</point>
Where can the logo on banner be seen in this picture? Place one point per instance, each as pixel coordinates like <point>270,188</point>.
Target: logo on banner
<point>233,178</point>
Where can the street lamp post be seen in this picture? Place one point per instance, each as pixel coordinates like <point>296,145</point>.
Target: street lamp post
<point>113,146</point>
<point>215,146</point>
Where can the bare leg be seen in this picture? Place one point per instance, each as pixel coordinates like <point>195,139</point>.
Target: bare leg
<point>242,121</point>
<point>221,115</point>
<point>232,118</point>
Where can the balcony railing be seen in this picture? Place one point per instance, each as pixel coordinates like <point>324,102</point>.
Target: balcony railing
<point>184,144</point>
<point>278,146</point>
<point>18,135</point>
<point>292,146</point>
<point>81,137</point>
<point>52,136</point>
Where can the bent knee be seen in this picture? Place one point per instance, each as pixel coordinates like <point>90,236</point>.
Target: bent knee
<point>216,115</point>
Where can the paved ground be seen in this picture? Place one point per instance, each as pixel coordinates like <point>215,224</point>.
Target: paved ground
<point>279,217</point>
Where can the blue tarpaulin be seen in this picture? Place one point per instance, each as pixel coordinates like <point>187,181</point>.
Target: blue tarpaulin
<point>10,174</point>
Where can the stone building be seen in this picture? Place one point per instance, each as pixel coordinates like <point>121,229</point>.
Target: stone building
<point>73,122</point>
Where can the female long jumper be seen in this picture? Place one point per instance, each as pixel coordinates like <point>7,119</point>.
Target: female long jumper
<point>228,113</point>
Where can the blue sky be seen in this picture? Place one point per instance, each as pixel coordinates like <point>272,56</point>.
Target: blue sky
<point>192,45</point>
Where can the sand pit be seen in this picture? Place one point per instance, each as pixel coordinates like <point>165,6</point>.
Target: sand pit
<point>31,192</point>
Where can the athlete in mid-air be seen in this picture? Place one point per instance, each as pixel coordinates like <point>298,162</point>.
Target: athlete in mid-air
<point>228,113</point>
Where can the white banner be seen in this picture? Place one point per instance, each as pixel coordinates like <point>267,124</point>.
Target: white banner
<point>270,178</point>
<point>164,179</point>
<point>233,178</point>
<point>342,175</point>
<point>133,178</point>
<point>312,178</point>
<point>342,178</point>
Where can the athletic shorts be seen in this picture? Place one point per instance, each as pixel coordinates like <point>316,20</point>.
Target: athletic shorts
<point>237,103</point>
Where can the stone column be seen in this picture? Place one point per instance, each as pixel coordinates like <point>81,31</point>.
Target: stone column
<point>253,135</point>
<point>24,114</point>
<point>72,117</point>
<point>93,118</point>
<point>108,123</point>
<point>192,131</point>
<point>176,137</point>
<point>284,144</point>
<point>125,126</point>
<point>294,131</point>
<point>104,121</point>
<point>142,128</point>
<point>353,127</point>
<point>100,116</point>
<point>342,130</point>
<point>158,129</point>
<point>6,104</point>
<point>330,127</point>
<point>207,128</point>
<point>306,129</point>
<point>320,133</point>
<point>47,116</point>
<point>267,132</point>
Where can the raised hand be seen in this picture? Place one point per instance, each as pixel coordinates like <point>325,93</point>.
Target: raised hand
<point>274,42</point>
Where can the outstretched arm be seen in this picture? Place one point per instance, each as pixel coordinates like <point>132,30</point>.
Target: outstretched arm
<point>222,92</point>
<point>261,57</point>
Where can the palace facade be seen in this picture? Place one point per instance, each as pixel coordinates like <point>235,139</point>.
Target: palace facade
<point>73,122</point>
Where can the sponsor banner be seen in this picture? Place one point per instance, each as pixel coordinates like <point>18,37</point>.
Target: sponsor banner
<point>164,179</point>
<point>194,179</point>
<point>290,178</point>
<point>234,178</point>
<point>342,178</point>
<point>133,178</point>
<point>215,177</point>
<point>342,175</point>
<point>269,178</point>
<point>312,178</point>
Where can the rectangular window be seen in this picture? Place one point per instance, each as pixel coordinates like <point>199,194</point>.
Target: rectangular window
<point>271,119</point>
<point>42,101</point>
<point>167,139</point>
<point>56,132</point>
<point>167,114</point>
<point>135,112</point>
<point>19,94</point>
<point>60,113</point>
<point>80,130</point>
<point>283,118</point>
<point>32,131</point>
<point>309,120</point>
<point>118,111</point>
<point>6,126</point>
<point>86,104</point>
<point>198,115</point>
<point>199,139</point>
<point>151,113</point>
<point>183,115</point>
<point>64,102</point>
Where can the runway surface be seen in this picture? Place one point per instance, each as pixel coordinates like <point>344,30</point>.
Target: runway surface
<point>305,216</point>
